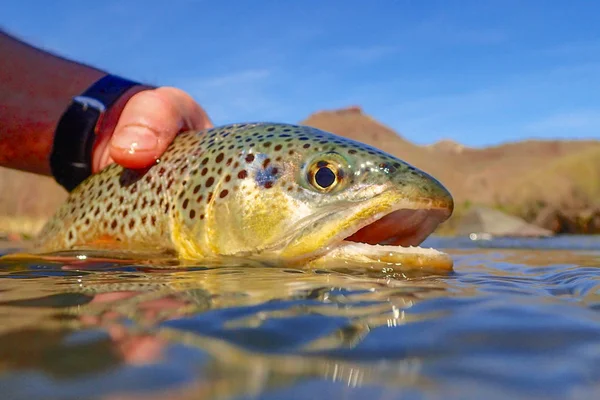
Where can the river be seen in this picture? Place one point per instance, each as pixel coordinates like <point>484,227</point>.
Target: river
<point>516,319</point>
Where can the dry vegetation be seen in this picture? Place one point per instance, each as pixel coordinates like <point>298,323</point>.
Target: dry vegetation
<point>521,177</point>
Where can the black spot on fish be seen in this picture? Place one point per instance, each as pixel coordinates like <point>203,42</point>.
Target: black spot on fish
<point>129,176</point>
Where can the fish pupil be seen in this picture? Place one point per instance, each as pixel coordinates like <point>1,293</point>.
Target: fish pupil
<point>324,177</point>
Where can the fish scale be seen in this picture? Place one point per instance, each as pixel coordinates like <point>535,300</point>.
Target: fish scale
<point>234,190</point>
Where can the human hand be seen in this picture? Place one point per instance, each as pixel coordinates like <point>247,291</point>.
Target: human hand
<point>149,121</point>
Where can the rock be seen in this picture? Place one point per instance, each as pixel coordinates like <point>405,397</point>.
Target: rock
<point>487,221</point>
<point>447,145</point>
<point>570,221</point>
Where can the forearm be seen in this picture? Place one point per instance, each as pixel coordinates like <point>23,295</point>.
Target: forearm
<point>36,88</point>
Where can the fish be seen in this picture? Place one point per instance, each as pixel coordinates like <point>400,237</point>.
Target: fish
<point>273,193</point>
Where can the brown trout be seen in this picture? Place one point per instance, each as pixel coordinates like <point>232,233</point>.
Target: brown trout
<point>275,193</point>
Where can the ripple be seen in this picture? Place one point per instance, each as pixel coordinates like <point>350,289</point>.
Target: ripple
<point>509,322</point>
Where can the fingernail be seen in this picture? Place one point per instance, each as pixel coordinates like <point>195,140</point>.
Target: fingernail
<point>135,138</point>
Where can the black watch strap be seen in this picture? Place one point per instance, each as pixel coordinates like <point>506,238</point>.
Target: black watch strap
<point>71,158</point>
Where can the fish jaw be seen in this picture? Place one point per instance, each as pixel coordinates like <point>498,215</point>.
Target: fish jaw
<point>381,230</point>
<point>355,255</point>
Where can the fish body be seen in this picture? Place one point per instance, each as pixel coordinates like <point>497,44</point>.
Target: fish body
<point>269,192</point>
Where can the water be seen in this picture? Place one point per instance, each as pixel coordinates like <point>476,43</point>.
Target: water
<point>516,319</point>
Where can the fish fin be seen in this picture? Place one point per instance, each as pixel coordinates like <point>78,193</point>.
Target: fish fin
<point>103,248</point>
<point>104,242</point>
<point>98,255</point>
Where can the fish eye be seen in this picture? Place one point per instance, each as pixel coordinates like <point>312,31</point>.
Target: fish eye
<point>324,175</point>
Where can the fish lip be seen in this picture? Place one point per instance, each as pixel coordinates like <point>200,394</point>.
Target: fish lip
<point>394,201</point>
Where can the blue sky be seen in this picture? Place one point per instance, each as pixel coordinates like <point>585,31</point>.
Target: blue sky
<point>478,72</point>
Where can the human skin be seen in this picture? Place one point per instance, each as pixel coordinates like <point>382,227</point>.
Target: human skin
<point>36,87</point>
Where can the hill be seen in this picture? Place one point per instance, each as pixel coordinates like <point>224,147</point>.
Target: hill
<point>26,194</point>
<point>571,181</point>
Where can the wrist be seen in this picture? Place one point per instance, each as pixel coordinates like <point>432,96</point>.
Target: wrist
<point>88,118</point>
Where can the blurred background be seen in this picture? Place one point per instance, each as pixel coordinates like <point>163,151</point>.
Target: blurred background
<point>500,100</point>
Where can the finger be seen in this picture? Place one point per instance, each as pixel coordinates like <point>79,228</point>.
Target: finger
<point>149,123</point>
<point>101,152</point>
<point>147,119</point>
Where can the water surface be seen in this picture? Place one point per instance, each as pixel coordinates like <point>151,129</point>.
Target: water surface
<point>517,319</point>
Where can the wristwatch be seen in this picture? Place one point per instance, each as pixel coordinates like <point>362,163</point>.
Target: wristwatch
<point>71,157</point>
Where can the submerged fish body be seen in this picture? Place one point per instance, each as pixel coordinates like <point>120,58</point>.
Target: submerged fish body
<point>268,192</point>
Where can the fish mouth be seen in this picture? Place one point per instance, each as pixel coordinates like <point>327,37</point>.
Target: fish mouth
<point>403,227</point>
<point>384,230</point>
<point>391,240</point>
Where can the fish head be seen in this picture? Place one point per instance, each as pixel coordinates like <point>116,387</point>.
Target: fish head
<point>302,195</point>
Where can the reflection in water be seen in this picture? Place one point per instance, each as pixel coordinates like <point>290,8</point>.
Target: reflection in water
<point>507,322</point>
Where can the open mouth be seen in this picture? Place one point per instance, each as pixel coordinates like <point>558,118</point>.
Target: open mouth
<point>392,241</point>
<point>384,230</point>
<point>403,228</point>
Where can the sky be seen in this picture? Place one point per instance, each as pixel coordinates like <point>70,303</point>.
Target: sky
<point>476,72</point>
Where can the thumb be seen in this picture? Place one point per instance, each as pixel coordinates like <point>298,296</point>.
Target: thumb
<point>149,122</point>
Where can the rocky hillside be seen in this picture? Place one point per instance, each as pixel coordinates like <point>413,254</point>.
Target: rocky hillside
<point>523,178</point>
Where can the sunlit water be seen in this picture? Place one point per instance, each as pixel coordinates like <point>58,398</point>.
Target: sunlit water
<point>515,320</point>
